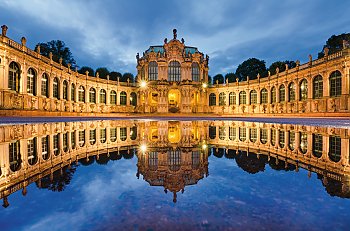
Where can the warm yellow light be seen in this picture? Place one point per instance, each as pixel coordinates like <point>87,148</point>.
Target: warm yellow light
<point>204,85</point>
<point>143,148</point>
<point>143,84</point>
<point>204,146</point>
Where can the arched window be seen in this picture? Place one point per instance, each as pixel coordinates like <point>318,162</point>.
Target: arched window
<point>212,99</point>
<point>72,92</point>
<point>222,99</point>
<point>334,148</point>
<point>73,139</point>
<point>174,160</point>
<point>32,153</point>
<point>335,84</point>
<point>113,97</point>
<point>195,72</point>
<point>103,133</point>
<point>263,96</point>
<point>273,95</point>
<point>253,97</point>
<point>123,98</point>
<point>14,75</point>
<point>133,99</point>
<point>253,134</point>
<point>81,138</point>
<point>102,96</point>
<point>196,159</point>
<point>65,90</point>
<point>232,98</point>
<point>45,85</point>
<point>153,71</point>
<point>291,92</point>
<point>55,88</point>
<point>212,132</point>
<point>273,137</point>
<point>232,133</point>
<point>317,145</point>
<point>281,138</point>
<point>92,95</point>
<point>31,81</point>
<point>92,137</point>
<point>174,71</point>
<point>303,89</point>
<point>317,87</point>
<point>222,133</point>
<point>113,134</point>
<point>153,160</point>
<point>56,143</point>
<point>45,152</point>
<point>133,133</point>
<point>291,140</point>
<point>81,94</point>
<point>122,134</point>
<point>282,94</point>
<point>242,97</point>
<point>242,134</point>
<point>15,156</point>
<point>303,142</point>
<point>65,142</point>
<point>263,135</point>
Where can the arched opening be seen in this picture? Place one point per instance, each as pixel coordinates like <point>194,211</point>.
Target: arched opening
<point>123,98</point>
<point>232,98</point>
<point>174,96</point>
<point>15,156</point>
<point>174,71</point>
<point>113,97</point>
<point>45,85</point>
<point>14,76</point>
<point>242,97</point>
<point>317,87</point>
<point>81,94</point>
<point>273,95</point>
<point>102,96</point>
<point>153,71</point>
<point>55,88</point>
<point>335,84</point>
<point>291,92</point>
<point>222,99</point>
<point>253,97</point>
<point>65,90</point>
<point>45,152</point>
<point>334,153</point>
<point>133,99</point>
<point>32,153</point>
<point>92,95</point>
<point>174,160</point>
<point>31,81</point>
<point>282,92</point>
<point>174,132</point>
<point>72,92</point>
<point>195,72</point>
<point>263,96</point>
<point>212,99</point>
<point>303,90</point>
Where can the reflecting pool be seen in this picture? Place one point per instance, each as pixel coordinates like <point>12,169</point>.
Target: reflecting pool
<point>176,174</point>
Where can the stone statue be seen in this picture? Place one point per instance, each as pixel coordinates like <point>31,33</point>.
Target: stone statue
<point>207,58</point>
<point>137,56</point>
<point>183,40</point>
<point>4,30</point>
<point>165,41</point>
<point>326,51</point>
<point>23,41</point>
<point>175,33</point>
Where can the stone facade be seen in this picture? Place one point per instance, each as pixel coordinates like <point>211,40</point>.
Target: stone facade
<point>171,78</point>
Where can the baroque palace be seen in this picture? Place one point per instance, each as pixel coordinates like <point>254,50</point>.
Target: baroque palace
<point>170,154</point>
<point>171,78</point>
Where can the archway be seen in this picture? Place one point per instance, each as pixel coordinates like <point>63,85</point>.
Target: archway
<point>174,97</point>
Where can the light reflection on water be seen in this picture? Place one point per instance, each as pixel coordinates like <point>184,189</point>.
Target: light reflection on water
<point>188,175</point>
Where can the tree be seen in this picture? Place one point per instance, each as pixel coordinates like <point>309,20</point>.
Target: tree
<point>114,75</point>
<point>219,78</point>
<point>335,43</point>
<point>231,77</point>
<point>102,72</point>
<point>281,66</point>
<point>251,67</point>
<point>59,50</point>
<point>83,69</point>
<point>127,76</point>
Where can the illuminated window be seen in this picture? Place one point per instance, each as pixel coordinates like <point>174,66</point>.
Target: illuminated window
<point>303,89</point>
<point>174,71</point>
<point>292,140</point>
<point>31,81</point>
<point>45,85</point>
<point>45,148</point>
<point>92,137</point>
<point>303,142</point>
<point>31,152</point>
<point>264,96</point>
<point>92,95</point>
<point>55,88</point>
<point>317,87</point>
<point>232,133</point>
<point>113,97</point>
<point>222,99</point>
<point>291,92</point>
<point>81,138</point>
<point>65,90</point>
<point>273,95</point>
<point>14,75</point>
<point>242,134</point>
<point>232,98</point>
<point>72,92</point>
<point>253,97</point>
<point>113,134</point>
<point>281,138</point>
<point>122,133</point>
<point>253,134</point>
<point>335,84</point>
<point>81,93</point>
<point>263,135</point>
<point>242,97</point>
<point>222,133</point>
<point>103,96</point>
<point>282,93</point>
<point>103,133</point>
<point>56,143</point>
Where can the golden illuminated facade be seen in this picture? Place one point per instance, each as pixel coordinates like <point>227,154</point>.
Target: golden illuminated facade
<point>171,78</point>
<point>175,153</point>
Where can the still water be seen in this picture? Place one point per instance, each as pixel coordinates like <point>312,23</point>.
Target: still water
<point>178,175</point>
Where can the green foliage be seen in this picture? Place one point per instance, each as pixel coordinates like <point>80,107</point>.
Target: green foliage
<point>83,69</point>
<point>251,67</point>
<point>231,77</point>
<point>59,50</point>
<point>114,75</point>
<point>102,72</point>
<point>281,66</point>
<point>335,43</point>
<point>127,76</point>
<point>219,78</point>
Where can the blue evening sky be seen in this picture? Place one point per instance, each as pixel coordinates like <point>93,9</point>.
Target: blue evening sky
<point>110,33</point>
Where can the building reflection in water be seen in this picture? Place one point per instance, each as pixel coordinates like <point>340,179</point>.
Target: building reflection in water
<point>174,154</point>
